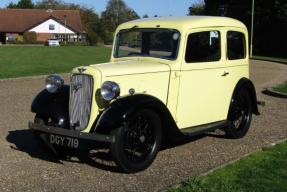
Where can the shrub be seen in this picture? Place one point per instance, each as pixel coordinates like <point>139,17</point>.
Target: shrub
<point>30,37</point>
<point>73,43</point>
<point>109,38</point>
<point>93,38</point>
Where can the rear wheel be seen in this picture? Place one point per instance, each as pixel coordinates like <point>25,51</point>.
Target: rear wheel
<point>137,142</point>
<point>240,115</point>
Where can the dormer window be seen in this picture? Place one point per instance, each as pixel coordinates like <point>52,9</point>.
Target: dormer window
<point>51,27</point>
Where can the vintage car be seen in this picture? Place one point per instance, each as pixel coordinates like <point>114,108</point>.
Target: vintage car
<point>167,76</point>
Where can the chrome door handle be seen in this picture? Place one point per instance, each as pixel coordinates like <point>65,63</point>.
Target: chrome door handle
<point>225,74</point>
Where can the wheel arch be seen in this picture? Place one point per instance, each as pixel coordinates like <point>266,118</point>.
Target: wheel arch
<point>119,111</point>
<point>53,105</point>
<point>247,84</point>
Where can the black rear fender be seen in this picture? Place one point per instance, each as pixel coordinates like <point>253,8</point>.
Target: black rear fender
<point>245,83</point>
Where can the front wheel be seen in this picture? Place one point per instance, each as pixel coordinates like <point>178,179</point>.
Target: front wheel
<point>137,142</point>
<point>240,115</point>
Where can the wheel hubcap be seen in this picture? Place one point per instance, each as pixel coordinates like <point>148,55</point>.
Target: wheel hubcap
<point>142,139</point>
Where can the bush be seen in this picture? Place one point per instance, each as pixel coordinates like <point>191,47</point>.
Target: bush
<point>94,39</point>
<point>109,38</point>
<point>73,43</point>
<point>30,37</point>
<point>19,38</point>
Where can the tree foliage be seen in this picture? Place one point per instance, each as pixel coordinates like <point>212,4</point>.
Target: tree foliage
<point>22,4</point>
<point>145,16</point>
<point>270,21</point>
<point>56,5</point>
<point>117,12</point>
<point>30,37</point>
<point>196,9</point>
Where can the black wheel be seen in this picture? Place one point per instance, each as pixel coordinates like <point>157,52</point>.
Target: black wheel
<point>240,115</point>
<point>137,142</point>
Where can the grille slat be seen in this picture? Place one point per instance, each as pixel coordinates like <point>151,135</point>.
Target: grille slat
<point>81,92</point>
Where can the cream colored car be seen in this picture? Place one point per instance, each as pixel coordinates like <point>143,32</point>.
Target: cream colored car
<point>166,77</point>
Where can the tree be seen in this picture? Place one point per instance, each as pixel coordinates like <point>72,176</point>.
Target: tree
<point>145,16</point>
<point>92,25</point>
<point>269,19</point>
<point>30,37</point>
<point>12,6</point>
<point>116,13</point>
<point>196,9</point>
<point>55,4</point>
<point>25,4</point>
<point>22,4</point>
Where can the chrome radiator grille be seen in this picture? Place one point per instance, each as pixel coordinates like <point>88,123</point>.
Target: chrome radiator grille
<point>81,94</point>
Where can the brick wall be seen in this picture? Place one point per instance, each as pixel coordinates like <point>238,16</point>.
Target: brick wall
<point>43,37</point>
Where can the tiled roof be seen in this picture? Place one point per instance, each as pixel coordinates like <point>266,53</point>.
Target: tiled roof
<point>21,20</point>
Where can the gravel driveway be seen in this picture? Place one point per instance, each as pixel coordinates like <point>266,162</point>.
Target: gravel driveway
<point>24,167</point>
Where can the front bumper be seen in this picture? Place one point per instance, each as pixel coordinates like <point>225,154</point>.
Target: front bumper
<point>71,133</point>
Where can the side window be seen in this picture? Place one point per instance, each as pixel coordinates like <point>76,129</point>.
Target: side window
<point>203,47</point>
<point>235,45</point>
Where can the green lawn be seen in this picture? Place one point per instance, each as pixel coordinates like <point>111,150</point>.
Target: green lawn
<point>281,88</point>
<point>275,59</point>
<point>263,171</point>
<point>31,60</point>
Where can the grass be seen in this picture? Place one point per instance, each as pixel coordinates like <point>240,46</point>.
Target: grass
<point>33,60</point>
<point>275,59</point>
<point>281,88</point>
<point>263,171</point>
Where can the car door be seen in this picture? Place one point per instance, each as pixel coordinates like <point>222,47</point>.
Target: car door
<point>202,98</point>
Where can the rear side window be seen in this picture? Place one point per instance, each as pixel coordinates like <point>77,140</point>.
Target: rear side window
<point>203,47</point>
<point>235,45</point>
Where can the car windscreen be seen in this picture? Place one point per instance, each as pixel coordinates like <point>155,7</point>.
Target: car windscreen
<point>159,43</point>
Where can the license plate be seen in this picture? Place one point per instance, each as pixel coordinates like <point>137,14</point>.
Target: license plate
<point>64,141</point>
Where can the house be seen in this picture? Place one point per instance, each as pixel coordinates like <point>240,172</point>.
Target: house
<point>64,25</point>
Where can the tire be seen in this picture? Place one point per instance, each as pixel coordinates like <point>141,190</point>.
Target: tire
<point>137,142</point>
<point>240,115</point>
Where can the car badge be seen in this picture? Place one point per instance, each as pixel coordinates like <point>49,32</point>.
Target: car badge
<point>81,69</point>
<point>77,86</point>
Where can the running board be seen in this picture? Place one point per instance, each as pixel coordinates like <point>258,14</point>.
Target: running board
<point>197,130</point>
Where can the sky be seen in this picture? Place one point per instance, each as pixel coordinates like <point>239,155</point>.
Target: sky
<point>150,7</point>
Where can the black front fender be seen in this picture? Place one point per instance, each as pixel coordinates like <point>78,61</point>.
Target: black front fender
<point>52,105</point>
<point>119,111</point>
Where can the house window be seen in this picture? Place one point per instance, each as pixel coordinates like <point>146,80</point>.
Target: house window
<point>52,27</point>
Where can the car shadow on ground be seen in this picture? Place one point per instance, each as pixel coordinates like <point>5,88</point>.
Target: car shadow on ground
<point>98,157</point>
<point>23,140</point>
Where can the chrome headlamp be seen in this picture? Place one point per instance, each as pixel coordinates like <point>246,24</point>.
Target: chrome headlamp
<point>54,83</point>
<point>110,90</point>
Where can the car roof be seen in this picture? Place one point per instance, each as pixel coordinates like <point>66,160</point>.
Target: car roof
<point>183,23</point>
